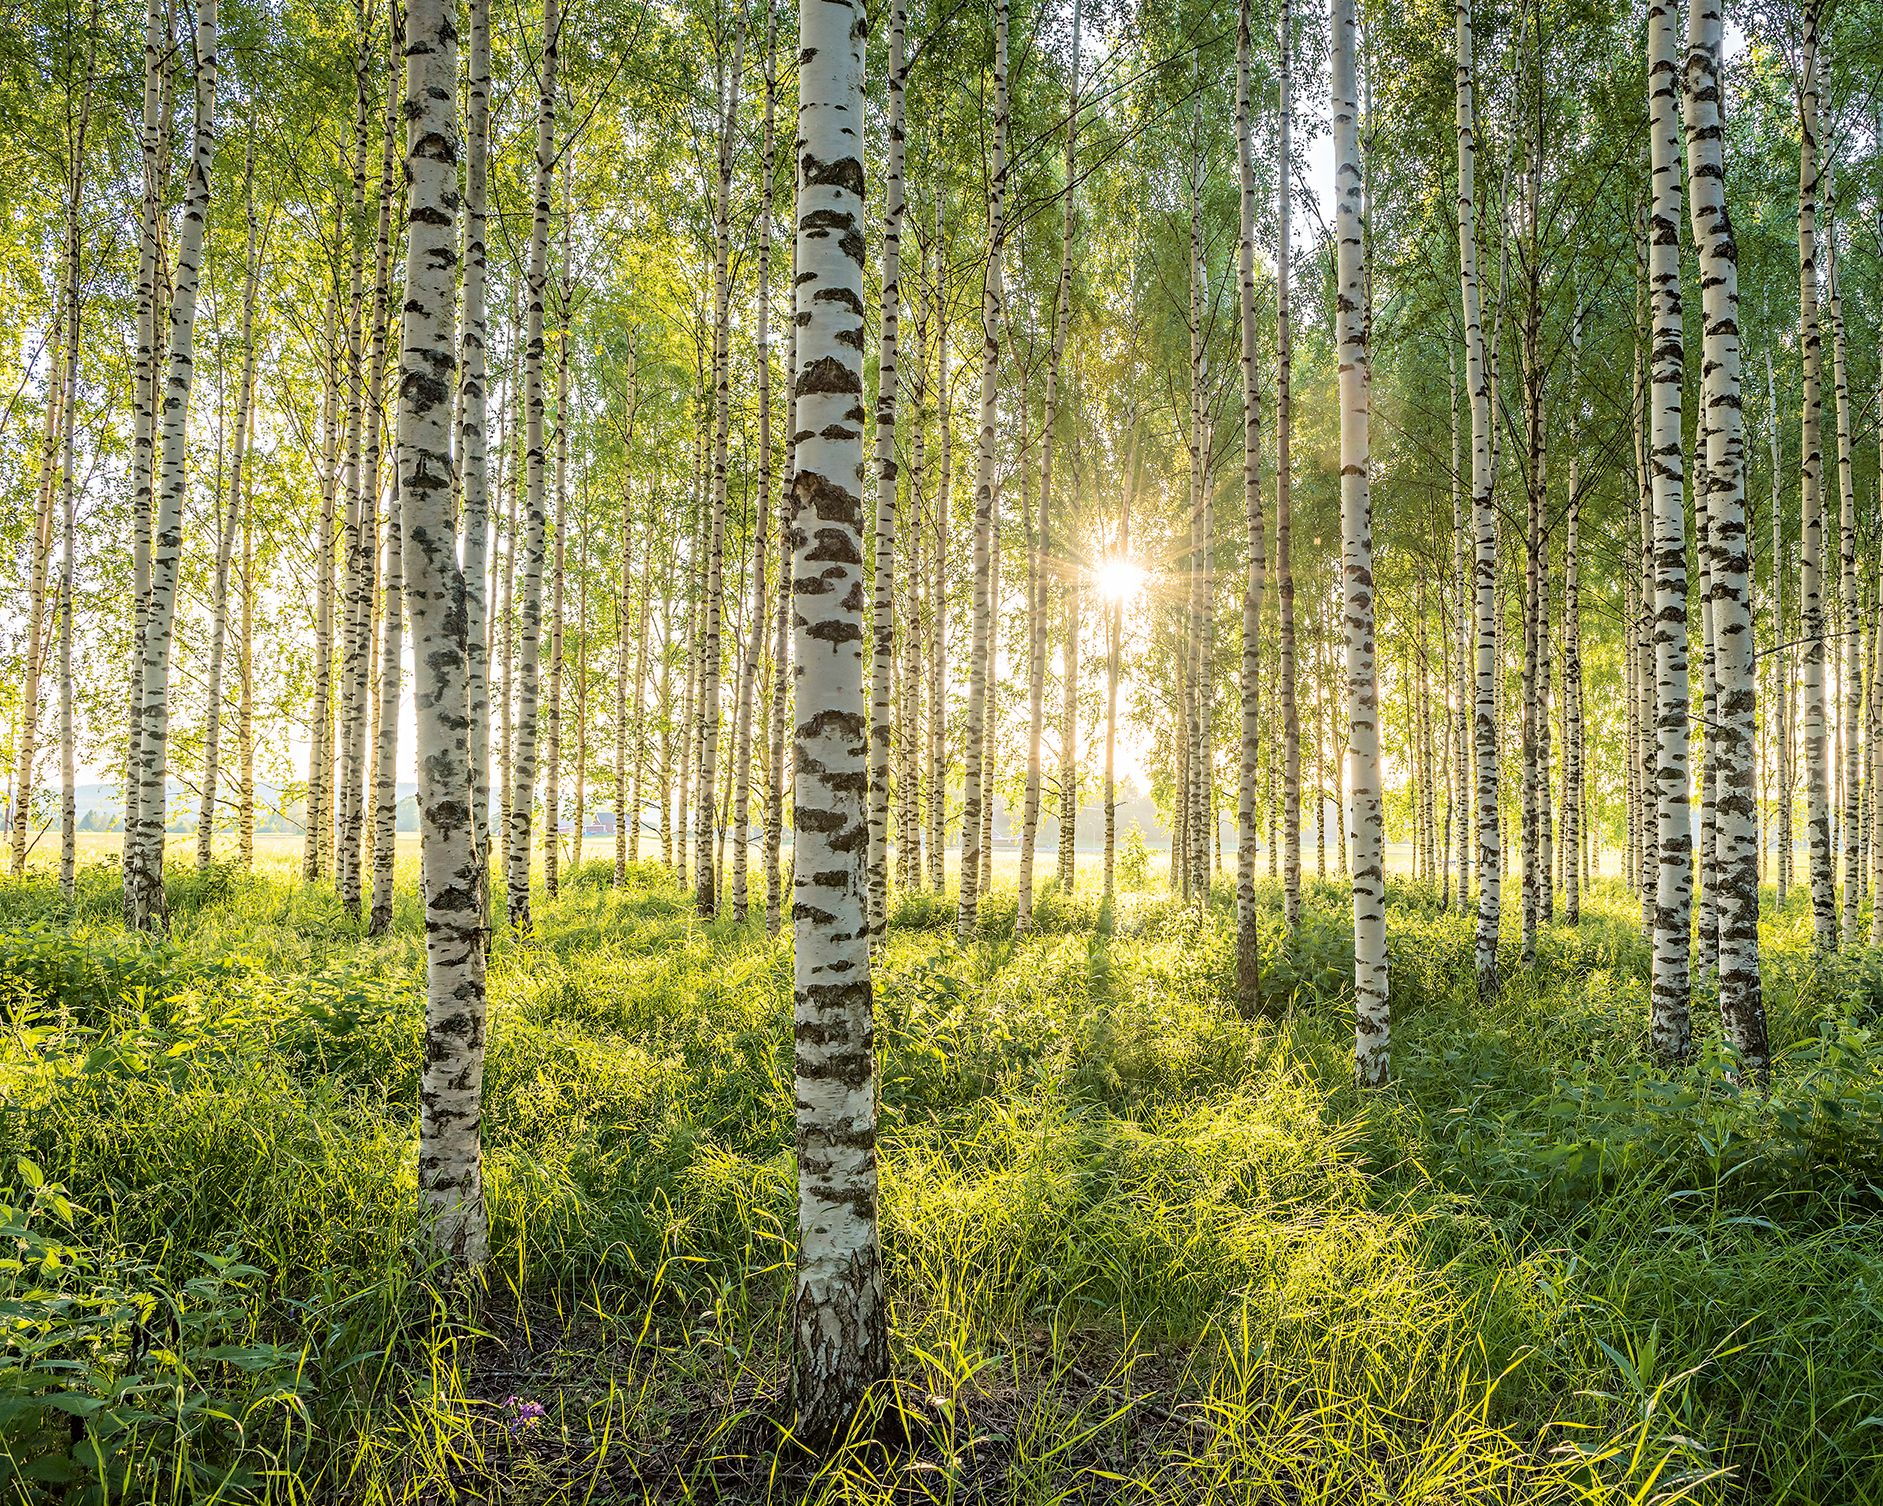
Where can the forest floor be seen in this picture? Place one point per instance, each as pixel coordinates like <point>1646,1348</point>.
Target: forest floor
<point>1138,1248</point>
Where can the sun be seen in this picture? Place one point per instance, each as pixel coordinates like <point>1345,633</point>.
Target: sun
<point>1119,578</point>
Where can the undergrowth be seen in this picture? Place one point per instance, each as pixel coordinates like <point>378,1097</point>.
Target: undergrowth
<point>1138,1247</point>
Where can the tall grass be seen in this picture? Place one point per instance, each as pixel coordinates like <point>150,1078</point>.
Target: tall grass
<point>1138,1247</point>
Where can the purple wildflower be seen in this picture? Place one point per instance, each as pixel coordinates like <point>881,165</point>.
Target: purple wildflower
<point>523,1413</point>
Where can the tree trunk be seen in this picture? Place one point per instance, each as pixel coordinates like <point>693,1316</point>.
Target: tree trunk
<point>758,627</point>
<point>938,644</point>
<point>883,614</point>
<point>1815,710</point>
<point>153,146</point>
<point>364,327</point>
<point>992,297</point>
<point>386,754</point>
<point>35,645</point>
<point>1356,530</point>
<point>1670,1028</point>
<point>782,627</point>
<point>68,501</point>
<point>838,1322</point>
<point>1038,565</point>
<point>144,848</point>
<point>450,1176</point>
<point>1248,930</point>
<point>580,816</point>
<point>705,866</point>
<point>474,422</point>
<point>1484,523</point>
<point>1069,739</point>
<point>225,544</point>
<point>1850,675</point>
<point>529,629</point>
<point>558,593</point>
<point>1573,790</point>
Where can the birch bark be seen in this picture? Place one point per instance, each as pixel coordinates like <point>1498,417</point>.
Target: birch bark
<point>143,875</point>
<point>838,1320</point>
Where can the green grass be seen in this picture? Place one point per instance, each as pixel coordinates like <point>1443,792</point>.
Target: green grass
<point>1138,1248</point>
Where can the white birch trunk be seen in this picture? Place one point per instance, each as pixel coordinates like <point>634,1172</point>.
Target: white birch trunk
<point>152,147</point>
<point>474,423</point>
<point>143,875</point>
<point>979,692</point>
<point>386,753</point>
<point>758,626</point>
<point>450,1175</point>
<point>225,543</point>
<point>1814,709</point>
<point>1670,1027</point>
<point>530,619</point>
<point>1248,933</point>
<point>838,1319</point>
<point>1484,521</point>
<point>883,613</point>
<point>1850,672</point>
<point>1371,1063</point>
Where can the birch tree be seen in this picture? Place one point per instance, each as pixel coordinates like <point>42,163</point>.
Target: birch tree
<point>1037,574</point>
<point>1356,539</point>
<point>1248,936</point>
<point>992,297</point>
<point>1484,518</point>
<point>529,632</point>
<point>1670,1026</point>
<point>1730,736</point>
<point>231,523</point>
<point>883,533</point>
<point>838,1316</point>
<point>450,1173</point>
<point>143,865</point>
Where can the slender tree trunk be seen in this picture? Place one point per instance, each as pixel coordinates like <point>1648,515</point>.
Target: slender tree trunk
<point>144,848</point>
<point>1484,521</point>
<point>154,148</point>
<point>529,633</point>
<point>1645,779</point>
<point>68,478</point>
<point>1706,954</point>
<point>386,753</point>
<point>510,488</point>
<point>979,695</point>
<point>838,1323</point>
<point>1670,1027</point>
<point>758,626</point>
<point>705,868</point>
<point>1573,812</point>
<point>474,423</point>
<point>1038,566</point>
<point>1815,710</point>
<point>1850,675</point>
<point>1457,719</point>
<point>1069,739</point>
<point>637,796</point>
<point>944,507</point>
<point>450,1176</point>
<point>558,593</point>
<point>1284,477</point>
<point>225,544</point>
<point>580,816</point>
<point>1248,932</point>
<point>882,628</point>
<point>1356,519</point>
<point>44,531</point>
<point>362,501</point>
<point>782,627</point>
